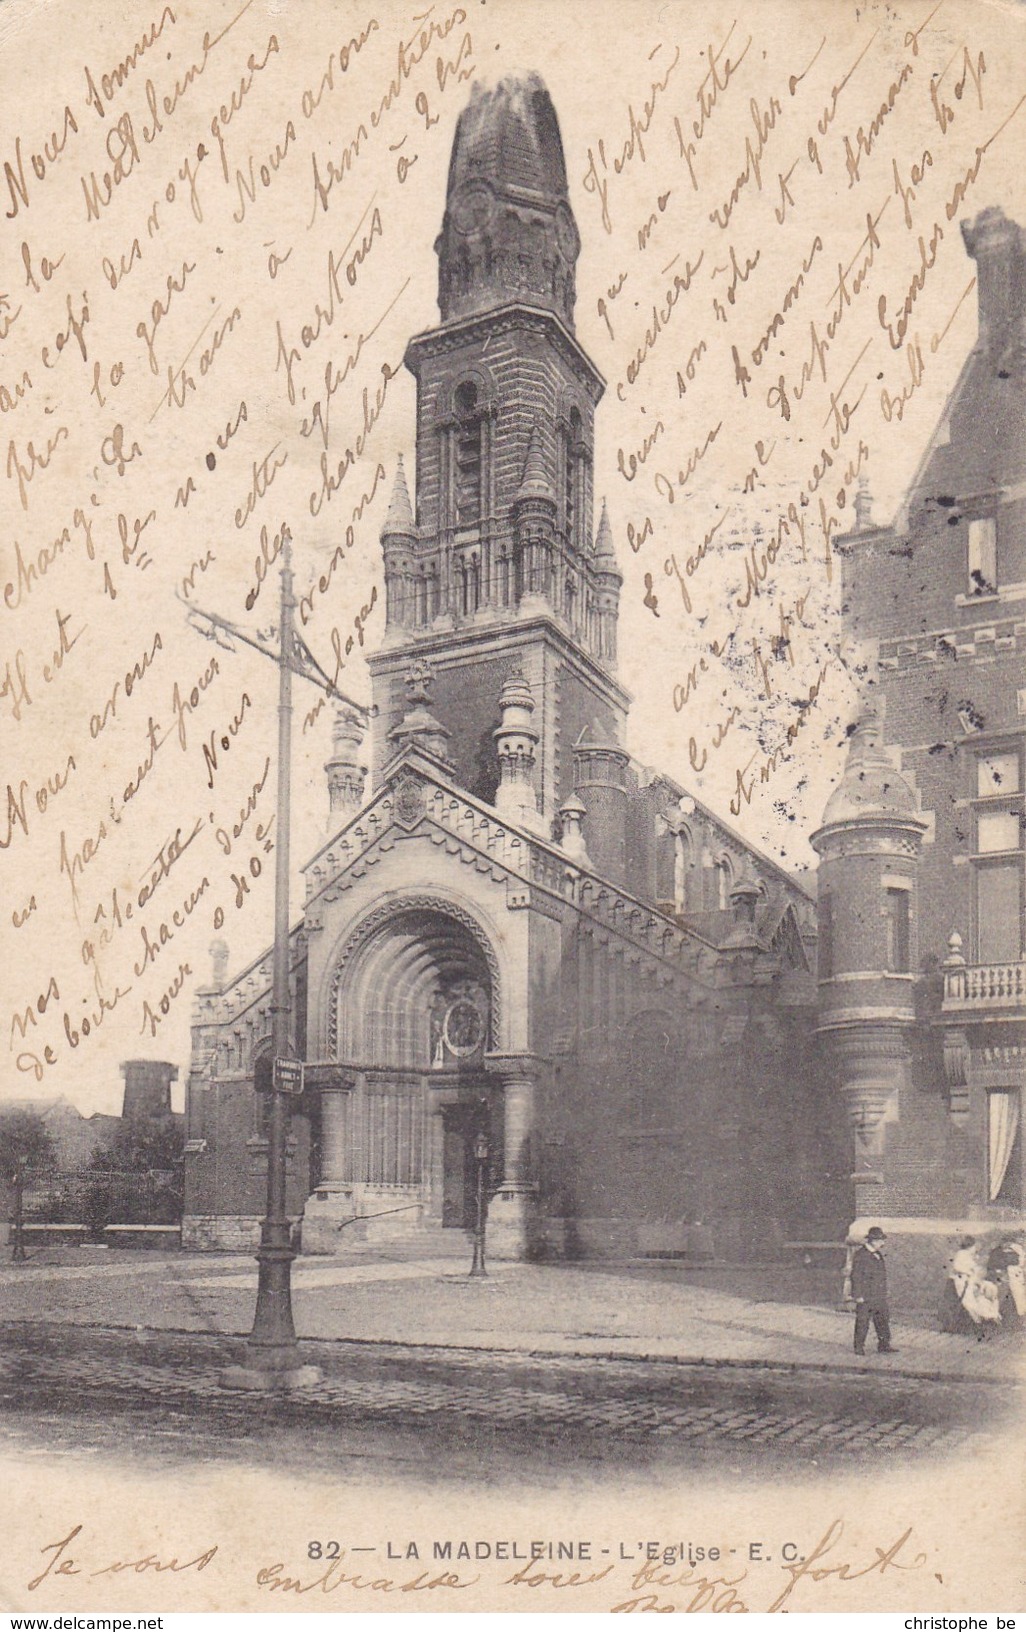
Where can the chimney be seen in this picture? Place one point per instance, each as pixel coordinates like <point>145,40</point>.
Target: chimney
<point>996,245</point>
<point>147,1095</point>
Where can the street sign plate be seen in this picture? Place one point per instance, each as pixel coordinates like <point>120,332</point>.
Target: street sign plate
<point>288,1076</point>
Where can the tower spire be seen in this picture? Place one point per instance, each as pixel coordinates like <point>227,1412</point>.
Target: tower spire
<point>608,582</point>
<point>509,235</point>
<point>535,483</point>
<point>604,549</point>
<point>499,544</point>
<point>399,522</point>
<point>398,537</point>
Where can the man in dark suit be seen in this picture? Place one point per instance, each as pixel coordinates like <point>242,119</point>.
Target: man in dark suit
<point>869,1289</point>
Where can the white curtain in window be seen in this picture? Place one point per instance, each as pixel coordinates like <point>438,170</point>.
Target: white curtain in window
<point>1003,1125</point>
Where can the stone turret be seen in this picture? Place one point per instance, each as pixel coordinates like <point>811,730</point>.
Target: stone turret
<point>418,725</point>
<point>515,742</point>
<point>998,246</point>
<point>869,850</point>
<point>600,778</point>
<point>572,813</point>
<point>608,583</point>
<point>344,772</point>
<point>398,541</point>
<point>534,517</point>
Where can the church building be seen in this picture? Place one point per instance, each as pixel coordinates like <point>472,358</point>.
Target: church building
<point>519,947</point>
<point>516,939</point>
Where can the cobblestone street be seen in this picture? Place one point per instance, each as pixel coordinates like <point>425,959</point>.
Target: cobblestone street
<point>597,1364</point>
<point>587,1408</point>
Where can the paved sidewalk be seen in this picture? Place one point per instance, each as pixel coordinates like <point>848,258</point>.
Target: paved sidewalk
<point>522,1309</point>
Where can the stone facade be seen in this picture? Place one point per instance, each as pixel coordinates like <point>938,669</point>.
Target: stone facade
<point>520,935</point>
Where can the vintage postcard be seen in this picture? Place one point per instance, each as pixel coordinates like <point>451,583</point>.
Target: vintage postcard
<point>513,705</point>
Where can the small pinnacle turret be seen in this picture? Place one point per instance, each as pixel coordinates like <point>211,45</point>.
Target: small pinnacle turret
<point>535,483</point>
<point>399,522</point>
<point>344,772</point>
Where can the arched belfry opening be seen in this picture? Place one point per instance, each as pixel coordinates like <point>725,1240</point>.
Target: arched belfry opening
<point>413,1013</point>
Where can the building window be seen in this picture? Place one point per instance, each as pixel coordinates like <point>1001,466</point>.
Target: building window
<point>999,875</point>
<point>681,865</point>
<point>997,774</point>
<point>983,556</point>
<point>997,830</point>
<point>896,913</point>
<point>469,570</point>
<point>1004,1147</point>
<point>999,886</point>
<point>825,944</point>
<point>468,456</point>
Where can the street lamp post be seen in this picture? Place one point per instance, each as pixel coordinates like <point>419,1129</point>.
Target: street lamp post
<point>272,1342</point>
<point>273,1351</point>
<point>477,1268</point>
<point>273,1355</point>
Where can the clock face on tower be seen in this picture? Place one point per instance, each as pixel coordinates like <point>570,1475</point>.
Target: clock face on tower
<point>566,232</point>
<point>463,1027</point>
<point>473,206</point>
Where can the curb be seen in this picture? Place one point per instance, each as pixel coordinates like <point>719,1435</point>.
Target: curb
<point>837,1369</point>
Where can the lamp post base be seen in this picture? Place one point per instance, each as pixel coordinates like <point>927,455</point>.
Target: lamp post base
<point>288,1378</point>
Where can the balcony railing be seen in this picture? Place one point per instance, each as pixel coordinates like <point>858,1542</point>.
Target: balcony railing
<point>985,986</point>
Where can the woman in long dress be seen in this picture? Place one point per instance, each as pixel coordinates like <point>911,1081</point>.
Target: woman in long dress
<point>1005,1266</point>
<point>971,1301</point>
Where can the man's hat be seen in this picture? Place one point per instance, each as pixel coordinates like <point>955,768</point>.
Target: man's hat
<point>876,1234</point>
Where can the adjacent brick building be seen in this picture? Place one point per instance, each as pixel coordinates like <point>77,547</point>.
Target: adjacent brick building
<point>921,959</point>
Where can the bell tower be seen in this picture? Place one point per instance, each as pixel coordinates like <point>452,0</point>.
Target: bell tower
<point>496,569</point>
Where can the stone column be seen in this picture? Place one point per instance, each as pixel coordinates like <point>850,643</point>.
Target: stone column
<point>518,1126</point>
<point>434,1157</point>
<point>335,1163</point>
<point>327,1217</point>
<point>512,1208</point>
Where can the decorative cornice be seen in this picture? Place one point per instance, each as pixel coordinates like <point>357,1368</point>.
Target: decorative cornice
<point>472,330</point>
<point>947,645</point>
<point>505,635</point>
<point>525,1067</point>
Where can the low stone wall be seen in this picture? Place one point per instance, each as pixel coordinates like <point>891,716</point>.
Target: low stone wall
<point>54,1234</point>
<point>212,1233</point>
<point>149,1236</point>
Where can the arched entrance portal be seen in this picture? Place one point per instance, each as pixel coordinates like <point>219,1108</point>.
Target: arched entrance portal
<point>413,1012</point>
